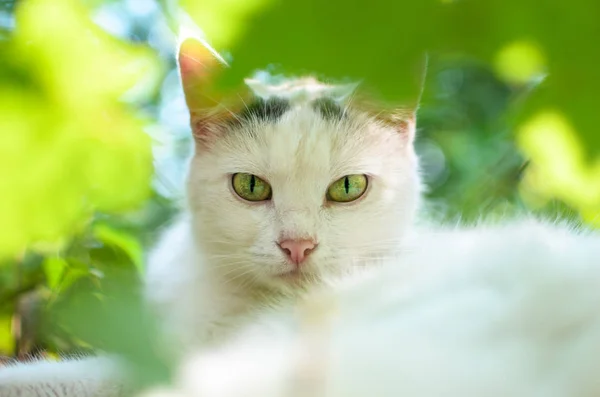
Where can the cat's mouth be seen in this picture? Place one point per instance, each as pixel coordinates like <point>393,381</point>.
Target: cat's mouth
<point>296,275</point>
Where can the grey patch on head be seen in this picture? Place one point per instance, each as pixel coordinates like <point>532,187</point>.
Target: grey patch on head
<point>329,109</point>
<point>265,109</point>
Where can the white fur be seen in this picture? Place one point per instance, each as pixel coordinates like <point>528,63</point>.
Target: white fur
<point>490,311</point>
<point>84,377</point>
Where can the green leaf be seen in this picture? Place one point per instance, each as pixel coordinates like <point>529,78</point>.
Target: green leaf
<point>7,340</point>
<point>54,268</point>
<point>126,242</point>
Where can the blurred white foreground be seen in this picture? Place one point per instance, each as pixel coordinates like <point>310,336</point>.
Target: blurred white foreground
<point>503,311</point>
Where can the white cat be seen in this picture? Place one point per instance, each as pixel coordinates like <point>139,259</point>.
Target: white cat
<point>289,188</point>
<point>499,311</point>
<point>300,209</point>
<point>231,255</point>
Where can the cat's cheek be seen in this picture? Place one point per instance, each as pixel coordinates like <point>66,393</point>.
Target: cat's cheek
<point>374,227</point>
<point>243,222</point>
<point>225,219</point>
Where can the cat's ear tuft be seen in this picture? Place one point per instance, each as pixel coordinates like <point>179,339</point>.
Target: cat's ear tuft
<point>407,125</point>
<point>404,121</point>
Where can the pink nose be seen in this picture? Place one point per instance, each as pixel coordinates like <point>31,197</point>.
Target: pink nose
<point>297,250</point>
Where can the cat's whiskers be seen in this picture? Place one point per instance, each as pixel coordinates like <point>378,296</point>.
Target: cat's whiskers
<point>238,276</point>
<point>382,244</point>
<point>227,256</point>
<point>225,265</point>
<point>235,273</point>
<point>236,265</point>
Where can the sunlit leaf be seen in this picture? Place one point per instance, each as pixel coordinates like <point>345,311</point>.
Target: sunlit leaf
<point>520,62</point>
<point>224,21</point>
<point>7,341</point>
<point>560,167</point>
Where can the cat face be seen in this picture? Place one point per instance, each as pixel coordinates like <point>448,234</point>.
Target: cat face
<point>268,191</point>
<point>298,153</point>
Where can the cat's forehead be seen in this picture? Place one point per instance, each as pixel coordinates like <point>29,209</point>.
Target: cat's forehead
<point>318,138</point>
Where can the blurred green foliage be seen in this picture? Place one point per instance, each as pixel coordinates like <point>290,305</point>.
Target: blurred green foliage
<point>76,195</point>
<point>90,107</point>
<point>67,135</point>
<point>381,43</point>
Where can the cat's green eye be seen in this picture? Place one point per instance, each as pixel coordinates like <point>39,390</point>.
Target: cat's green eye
<point>348,188</point>
<point>250,187</point>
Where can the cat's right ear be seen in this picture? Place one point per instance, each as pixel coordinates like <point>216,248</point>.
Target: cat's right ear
<point>199,67</point>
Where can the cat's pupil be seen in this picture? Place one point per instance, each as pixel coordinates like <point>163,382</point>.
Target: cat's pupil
<point>347,184</point>
<point>252,183</point>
